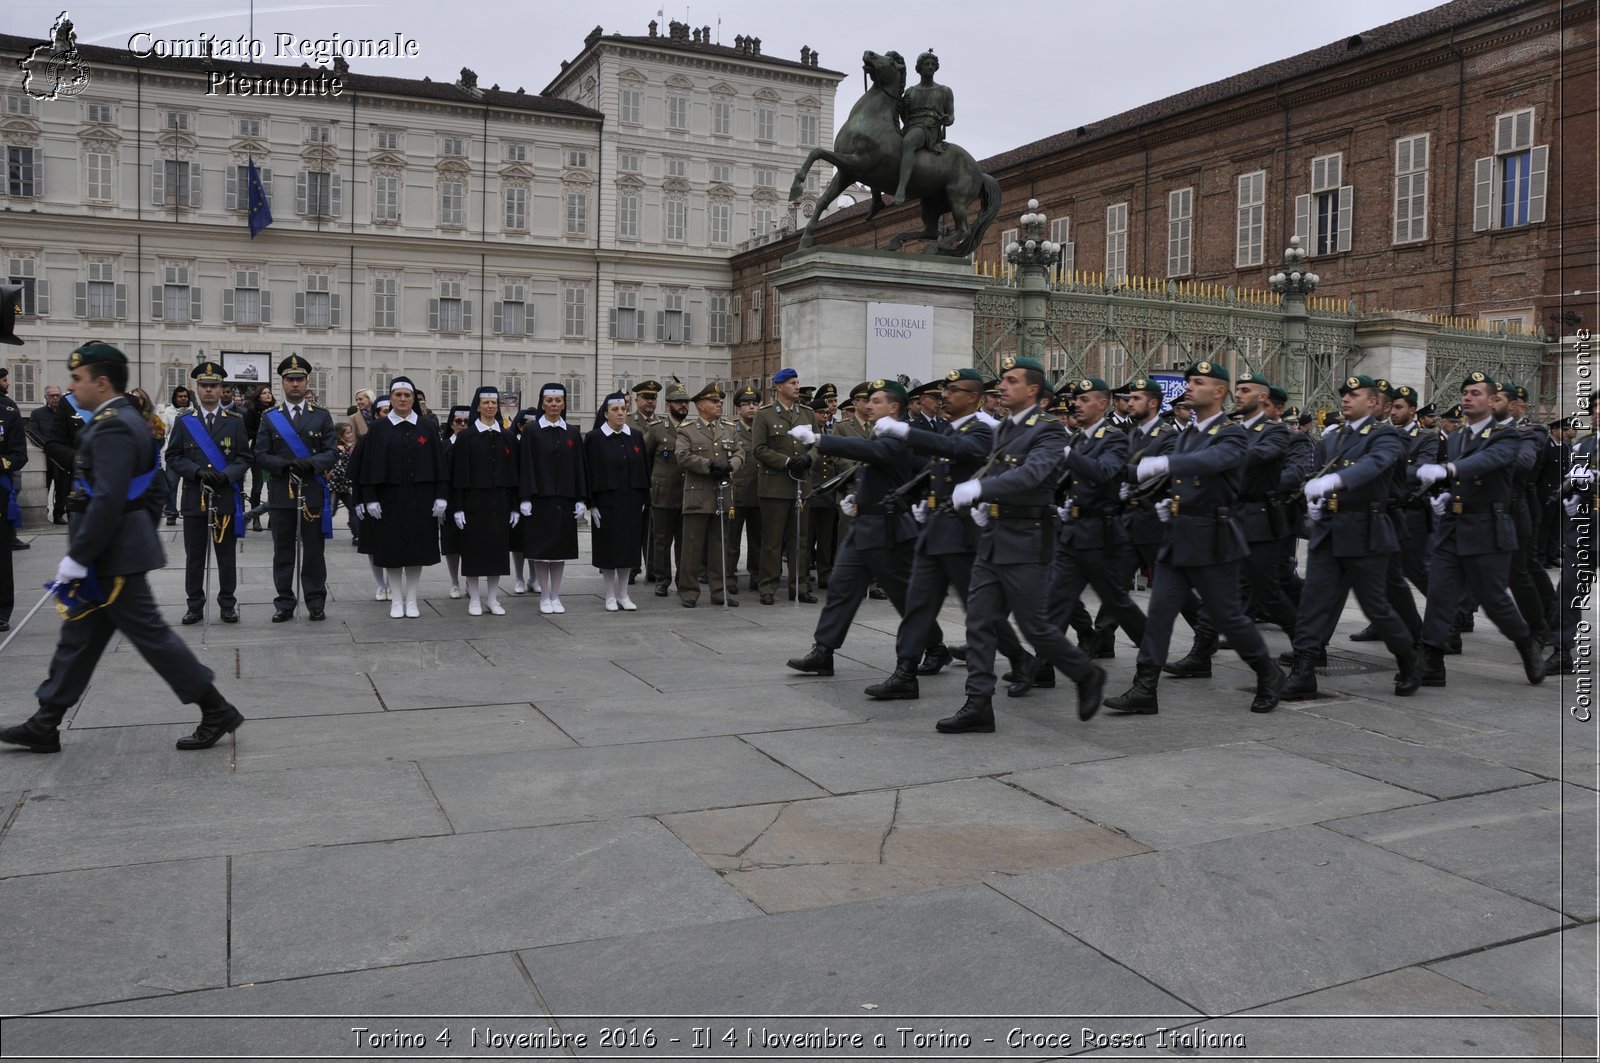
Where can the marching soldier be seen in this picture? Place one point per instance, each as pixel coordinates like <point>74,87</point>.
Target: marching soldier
<point>1476,536</point>
<point>708,451</point>
<point>1352,538</point>
<point>210,453</point>
<point>784,462</point>
<point>296,446</point>
<point>666,489</point>
<point>1203,544</point>
<point>111,547</point>
<point>1410,512</point>
<point>1577,493</point>
<point>1530,585</point>
<point>1016,489</point>
<point>746,522</point>
<point>1299,461</point>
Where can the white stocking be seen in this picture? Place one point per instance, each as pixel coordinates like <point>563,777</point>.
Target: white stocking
<point>380,578</point>
<point>553,588</point>
<point>517,561</point>
<point>494,590</point>
<point>395,580</point>
<point>541,576</point>
<point>413,577</point>
<point>453,563</point>
<point>473,585</point>
<point>609,577</point>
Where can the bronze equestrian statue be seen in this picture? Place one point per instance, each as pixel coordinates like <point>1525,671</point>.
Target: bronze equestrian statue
<point>871,145</point>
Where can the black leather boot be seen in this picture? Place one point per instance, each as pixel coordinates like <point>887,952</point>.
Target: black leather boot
<point>1432,667</point>
<point>1452,646</point>
<point>1560,663</point>
<point>1269,685</point>
<point>1367,634</point>
<point>1141,697</point>
<point>217,718</point>
<point>901,686</point>
<point>1197,664</point>
<point>1302,682</point>
<point>1409,678</point>
<point>1091,688</point>
<point>1532,663</point>
<point>818,662</point>
<point>975,717</point>
<point>934,660</point>
<point>1022,676</point>
<point>38,732</point>
<point>957,651</point>
<point>1286,659</point>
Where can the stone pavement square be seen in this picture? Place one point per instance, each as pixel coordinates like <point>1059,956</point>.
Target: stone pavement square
<point>609,815</point>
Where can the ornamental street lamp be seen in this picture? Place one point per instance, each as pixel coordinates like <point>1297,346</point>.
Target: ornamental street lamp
<point>1033,255</point>
<point>1294,282</point>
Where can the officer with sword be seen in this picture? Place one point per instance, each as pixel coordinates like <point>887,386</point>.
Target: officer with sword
<point>209,450</point>
<point>296,446</point>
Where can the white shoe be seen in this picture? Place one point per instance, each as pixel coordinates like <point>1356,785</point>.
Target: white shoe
<point>544,606</point>
<point>533,585</point>
<point>611,605</point>
<point>381,594</point>
<point>455,590</point>
<point>627,604</point>
<point>412,611</point>
<point>556,606</point>
<point>519,588</point>
<point>497,609</point>
<point>397,610</point>
<point>474,609</point>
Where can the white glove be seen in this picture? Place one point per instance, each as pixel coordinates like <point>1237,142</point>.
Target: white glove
<point>1066,451</point>
<point>375,510</point>
<point>594,518</point>
<point>461,520</point>
<point>515,516</point>
<point>1064,511</point>
<point>1314,510</point>
<point>1323,486</point>
<point>579,510</point>
<point>919,512</point>
<point>69,570</point>
<point>361,510</point>
<point>1150,468</point>
<point>847,506</point>
<point>1163,507</point>
<point>804,433</point>
<point>1570,505</point>
<point>439,506</point>
<point>980,515</point>
<point>966,493</point>
<point>892,427</point>
<point>1125,492</point>
<point>1428,475</point>
<point>1439,503</point>
<point>1581,476</point>
<point>526,509</point>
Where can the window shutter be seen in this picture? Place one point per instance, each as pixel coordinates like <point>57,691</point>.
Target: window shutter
<point>613,314</point>
<point>1504,134</point>
<point>1347,203</point>
<point>155,302</point>
<point>1335,170</point>
<point>688,323</point>
<point>466,315</point>
<point>266,306</point>
<point>1536,189</point>
<point>158,182</point>
<point>230,187</point>
<point>333,310</point>
<point>80,299</point>
<point>338,194</point>
<point>300,308</point>
<point>1402,155</point>
<point>661,325</point>
<point>300,192</point>
<point>496,319</point>
<point>1319,174</point>
<point>266,187</point>
<point>1524,129</point>
<point>1302,220</point>
<point>433,315</point>
<point>227,306</point>
<point>194,303</point>
<point>122,302</point>
<point>194,184</point>
<point>1483,194</point>
<point>41,290</point>
<point>528,318</point>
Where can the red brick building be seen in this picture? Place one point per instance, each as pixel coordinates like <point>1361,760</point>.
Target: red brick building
<point>1442,164</point>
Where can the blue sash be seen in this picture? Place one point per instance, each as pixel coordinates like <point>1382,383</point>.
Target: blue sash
<point>298,448</point>
<point>136,486</point>
<point>13,507</point>
<point>213,453</point>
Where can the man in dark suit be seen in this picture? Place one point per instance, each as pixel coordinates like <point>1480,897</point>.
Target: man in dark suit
<point>13,456</point>
<point>1203,544</point>
<point>112,543</point>
<point>296,490</point>
<point>1013,500</point>
<point>210,468</point>
<point>1477,533</point>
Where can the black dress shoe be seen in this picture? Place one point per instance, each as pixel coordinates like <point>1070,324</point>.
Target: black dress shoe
<point>1022,677</point>
<point>193,616</point>
<point>315,614</point>
<point>1409,678</point>
<point>730,601</point>
<point>818,662</point>
<point>31,734</point>
<point>1269,687</point>
<point>231,616</point>
<point>281,615</point>
<point>957,650</point>
<point>933,661</point>
<point>766,599</point>
<point>661,590</point>
<point>689,604</point>
<point>5,625</point>
<point>808,598</point>
<point>975,717</point>
<point>1532,662</point>
<point>1560,662</point>
<point>1090,691</point>
<point>1367,634</point>
<point>877,594</point>
<point>1433,674</point>
<point>171,519</point>
<point>214,723</point>
<point>18,544</point>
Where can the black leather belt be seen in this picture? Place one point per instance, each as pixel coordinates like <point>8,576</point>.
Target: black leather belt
<point>1003,512</point>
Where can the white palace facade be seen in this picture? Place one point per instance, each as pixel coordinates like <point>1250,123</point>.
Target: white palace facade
<point>460,234</point>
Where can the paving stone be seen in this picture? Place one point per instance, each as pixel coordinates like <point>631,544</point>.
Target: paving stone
<point>350,907</point>
<point>114,755</point>
<point>1549,975</point>
<point>1198,719</point>
<point>1416,720</point>
<point>599,721</point>
<point>1538,756</point>
<point>272,661</point>
<point>1536,842</point>
<point>1435,772</point>
<point>534,678</point>
<point>808,854</point>
<point>490,792</point>
<point>145,698</point>
<point>1540,712</point>
<point>280,745</point>
<point>64,827</point>
<point>904,752</point>
<point>88,936</point>
<point>634,641</point>
<point>1238,923</point>
<point>1200,795</point>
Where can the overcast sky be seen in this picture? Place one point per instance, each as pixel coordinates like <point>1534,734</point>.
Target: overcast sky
<point>1020,71</point>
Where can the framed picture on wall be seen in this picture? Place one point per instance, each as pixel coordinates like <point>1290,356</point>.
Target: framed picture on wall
<point>247,366</point>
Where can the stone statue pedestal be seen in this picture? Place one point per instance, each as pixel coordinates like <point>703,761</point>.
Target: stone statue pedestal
<point>849,315</point>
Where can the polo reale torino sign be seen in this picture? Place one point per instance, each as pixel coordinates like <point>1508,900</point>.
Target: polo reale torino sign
<point>899,340</point>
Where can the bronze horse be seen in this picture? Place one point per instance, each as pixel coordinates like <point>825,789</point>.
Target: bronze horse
<point>867,149</point>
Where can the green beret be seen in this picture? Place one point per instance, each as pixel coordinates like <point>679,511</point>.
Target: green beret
<point>1254,378</point>
<point>1480,377</point>
<point>1085,385</point>
<point>1516,391</point>
<point>1277,394</point>
<point>94,352</point>
<point>1357,382</point>
<point>1385,388</point>
<point>892,387</point>
<point>1146,385</point>
<point>1022,363</point>
<point>964,374</point>
<point>1213,370</point>
<point>1407,392</point>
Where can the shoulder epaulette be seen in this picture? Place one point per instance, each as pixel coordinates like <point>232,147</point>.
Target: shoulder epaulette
<point>1365,429</point>
<point>102,415</point>
<point>1214,429</point>
<point>1100,434</point>
<point>1261,426</point>
<point>1032,420</point>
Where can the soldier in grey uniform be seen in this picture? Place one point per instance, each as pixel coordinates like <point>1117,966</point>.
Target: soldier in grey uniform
<point>645,394</point>
<point>1476,535</point>
<point>783,463</point>
<point>746,521</point>
<point>188,460</point>
<point>708,452</point>
<point>666,489</point>
<point>117,498</point>
<point>1013,499</point>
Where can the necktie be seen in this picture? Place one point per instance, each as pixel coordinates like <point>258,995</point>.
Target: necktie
<point>294,416</point>
<point>211,421</point>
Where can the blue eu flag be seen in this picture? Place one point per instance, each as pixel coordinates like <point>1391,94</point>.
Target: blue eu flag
<point>260,212</point>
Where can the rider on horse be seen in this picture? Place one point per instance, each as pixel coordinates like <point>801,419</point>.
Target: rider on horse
<point>926,109</point>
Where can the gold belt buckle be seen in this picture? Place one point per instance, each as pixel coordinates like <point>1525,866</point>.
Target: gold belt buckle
<point>1173,509</point>
<point>994,510</point>
<point>1455,507</point>
<point>1074,512</point>
<point>1333,503</point>
<point>933,501</point>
